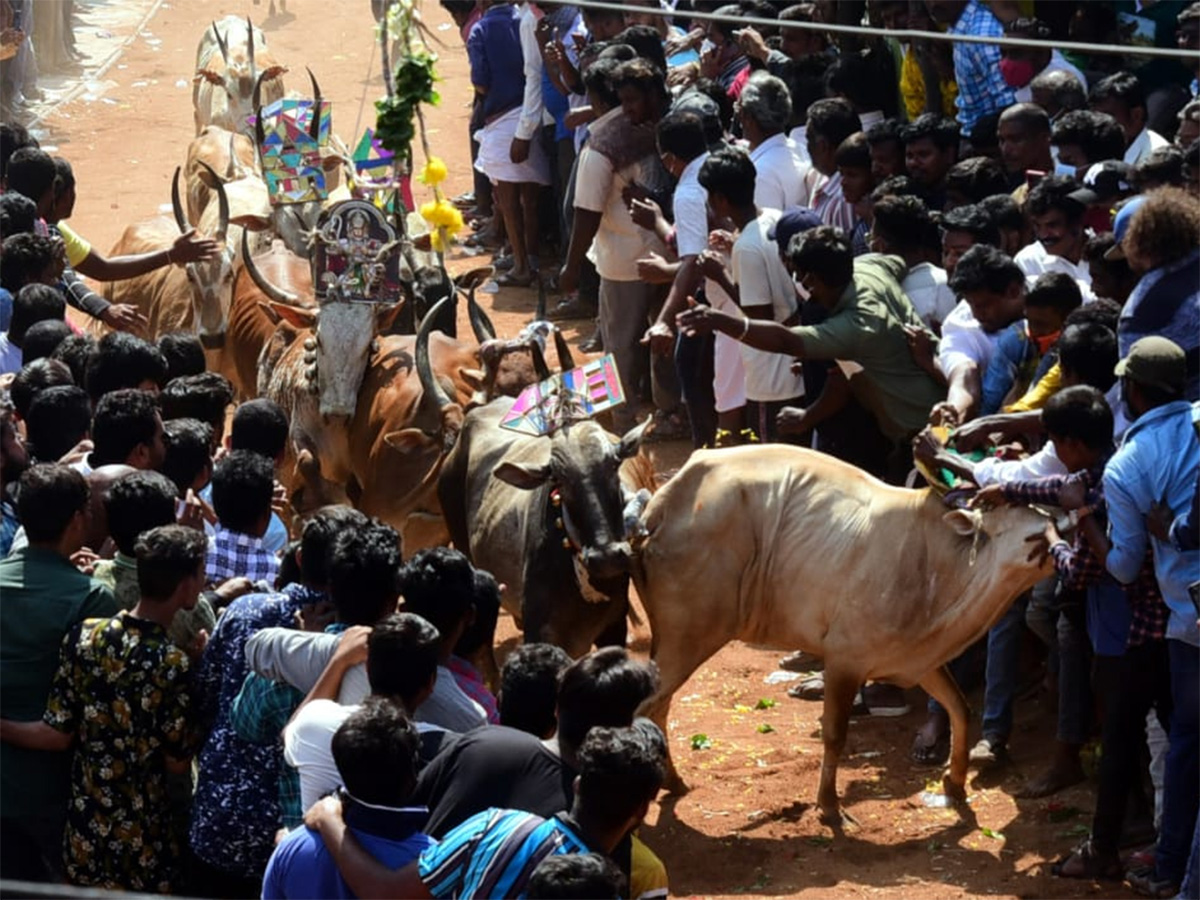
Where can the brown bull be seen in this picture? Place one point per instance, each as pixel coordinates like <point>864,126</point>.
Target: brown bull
<point>790,548</point>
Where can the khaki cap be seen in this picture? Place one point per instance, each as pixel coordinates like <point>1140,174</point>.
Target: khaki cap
<point>1155,362</point>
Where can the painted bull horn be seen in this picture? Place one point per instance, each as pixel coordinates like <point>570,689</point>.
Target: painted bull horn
<point>539,359</point>
<point>429,384</point>
<point>221,45</point>
<point>250,34</point>
<point>566,361</point>
<point>176,205</point>
<point>223,201</point>
<point>315,128</point>
<point>274,293</point>
<point>256,94</point>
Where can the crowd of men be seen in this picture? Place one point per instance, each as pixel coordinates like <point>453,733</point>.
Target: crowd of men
<point>979,260</point>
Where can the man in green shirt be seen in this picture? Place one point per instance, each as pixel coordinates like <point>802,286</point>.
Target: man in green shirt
<point>43,597</point>
<point>868,313</point>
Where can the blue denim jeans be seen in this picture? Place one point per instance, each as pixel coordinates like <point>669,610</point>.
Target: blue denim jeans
<point>1181,792</point>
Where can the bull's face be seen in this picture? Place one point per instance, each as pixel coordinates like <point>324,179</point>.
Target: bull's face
<point>1009,535</point>
<point>212,286</point>
<point>584,471</point>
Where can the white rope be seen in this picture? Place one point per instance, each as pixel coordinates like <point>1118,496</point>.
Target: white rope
<point>902,35</point>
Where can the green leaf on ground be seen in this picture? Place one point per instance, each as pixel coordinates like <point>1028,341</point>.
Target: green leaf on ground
<point>765,703</point>
<point>765,728</point>
<point>994,835</point>
<point>701,742</point>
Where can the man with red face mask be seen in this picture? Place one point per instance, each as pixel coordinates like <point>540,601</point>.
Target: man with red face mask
<point>1020,65</point>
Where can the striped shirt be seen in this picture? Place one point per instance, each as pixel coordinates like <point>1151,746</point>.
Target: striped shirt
<point>494,853</point>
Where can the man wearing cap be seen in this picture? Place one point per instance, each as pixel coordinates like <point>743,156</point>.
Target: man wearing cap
<point>1158,463</point>
<point>1056,211</point>
<point>1159,234</point>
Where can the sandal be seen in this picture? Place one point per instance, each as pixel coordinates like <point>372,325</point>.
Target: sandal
<point>1084,862</point>
<point>509,280</point>
<point>926,754</point>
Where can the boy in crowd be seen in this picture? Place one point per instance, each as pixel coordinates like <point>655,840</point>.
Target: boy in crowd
<point>243,486</point>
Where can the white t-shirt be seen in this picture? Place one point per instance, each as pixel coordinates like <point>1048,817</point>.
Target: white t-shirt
<point>1058,62</point>
<point>964,340</point>
<point>1033,260</point>
<point>779,174</point>
<point>925,284</point>
<point>1043,464</point>
<point>308,742</point>
<point>1143,145</point>
<point>762,280</point>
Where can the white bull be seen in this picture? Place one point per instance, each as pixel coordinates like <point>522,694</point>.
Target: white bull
<point>231,59</point>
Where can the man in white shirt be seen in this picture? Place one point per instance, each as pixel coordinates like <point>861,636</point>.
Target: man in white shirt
<point>760,284</point>
<point>402,665</point>
<point>533,109</point>
<point>829,123</point>
<point>903,227</point>
<point>1057,216</point>
<point>764,109</point>
<point>1122,96</point>
<point>1021,65</point>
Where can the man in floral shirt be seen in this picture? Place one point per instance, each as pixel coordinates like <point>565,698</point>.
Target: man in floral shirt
<point>121,688</point>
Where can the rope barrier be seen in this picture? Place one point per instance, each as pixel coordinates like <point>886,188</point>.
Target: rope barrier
<point>902,35</point>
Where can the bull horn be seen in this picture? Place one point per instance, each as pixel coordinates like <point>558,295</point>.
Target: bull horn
<point>480,323</point>
<point>256,94</point>
<point>250,35</point>
<point>231,167</point>
<point>429,384</point>
<point>566,362</point>
<point>274,293</point>
<point>223,201</point>
<point>540,313</point>
<point>539,360</point>
<point>315,127</point>
<point>176,205</point>
<point>221,45</point>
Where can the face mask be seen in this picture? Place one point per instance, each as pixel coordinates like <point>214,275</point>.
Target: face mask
<point>1045,342</point>
<point>1016,72</point>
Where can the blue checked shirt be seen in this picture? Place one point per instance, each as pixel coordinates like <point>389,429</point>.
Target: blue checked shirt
<point>981,88</point>
<point>232,554</point>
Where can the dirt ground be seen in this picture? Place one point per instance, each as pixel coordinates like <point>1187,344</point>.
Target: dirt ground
<point>748,827</point>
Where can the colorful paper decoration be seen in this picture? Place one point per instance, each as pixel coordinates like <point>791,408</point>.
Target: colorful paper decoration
<point>291,159</point>
<point>572,396</point>
<point>371,159</point>
<point>357,255</point>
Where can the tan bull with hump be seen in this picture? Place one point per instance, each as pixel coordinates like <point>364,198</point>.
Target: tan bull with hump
<point>790,548</point>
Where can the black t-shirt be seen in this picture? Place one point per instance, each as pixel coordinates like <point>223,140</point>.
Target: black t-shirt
<point>492,767</point>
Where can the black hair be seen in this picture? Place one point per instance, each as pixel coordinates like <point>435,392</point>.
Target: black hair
<point>712,89</point>
<point>620,770</point>
<point>13,137</point>
<point>985,268</point>
<point>439,585</point>
<point>726,28</point>
<point>854,152</point>
<point>1095,249</point>
<point>184,354</point>
<point>598,80</point>
<point>1057,291</point>
<point>1100,311</point>
<point>576,876</point>
<point>166,556</point>
<point>17,214</point>
<point>977,178</point>
<point>1054,193</point>
<point>885,132</point>
<point>825,252</point>
<point>1088,350</point>
<point>529,687</point>
<point>43,338</point>
<point>1161,167</point>
<point>896,186</point>
<point>481,632</point>
<point>121,361</point>
<point>402,657</point>
<point>850,76</point>
<point>135,503</point>
<point>57,419</point>
<point>243,485</point>
<point>48,497</point>
<point>1004,212</point>
<point>832,119</point>
<point>805,79</point>
<point>941,131</point>
<point>973,220</point>
<point>35,377</point>
<point>205,397</point>
<point>1031,117</point>
<point>31,172</point>
<point>1034,29</point>
<point>603,688</point>
<point>682,133</point>
<point>376,751</point>
<point>729,173</point>
<point>364,573</point>
<point>646,42</point>
<point>259,426</point>
<point>124,420</point>
<point>289,566</point>
<point>642,75</point>
<point>32,304</point>
<point>1123,87</point>
<point>1080,413</point>
<point>318,536</point>
<point>984,133</point>
<point>76,351</point>
<point>66,176</point>
<point>1098,135</point>
<point>189,452</point>
<point>903,223</point>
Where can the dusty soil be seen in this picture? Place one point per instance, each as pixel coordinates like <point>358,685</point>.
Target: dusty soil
<point>748,826</point>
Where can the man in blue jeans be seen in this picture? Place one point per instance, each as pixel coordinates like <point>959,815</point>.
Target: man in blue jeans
<point>1158,463</point>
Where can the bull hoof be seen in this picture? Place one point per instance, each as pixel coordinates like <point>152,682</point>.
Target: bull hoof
<point>838,819</point>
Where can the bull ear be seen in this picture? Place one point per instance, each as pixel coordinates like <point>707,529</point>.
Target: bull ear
<point>408,440</point>
<point>631,442</point>
<point>522,475</point>
<point>293,315</point>
<point>473,378</point>
<point>966,522</point>
<point>274,72</point>
<point>208,75</point>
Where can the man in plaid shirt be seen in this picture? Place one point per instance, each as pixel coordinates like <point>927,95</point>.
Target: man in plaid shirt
<point>243,486</point>
<point>981,87</point>
<point>1126,626</point>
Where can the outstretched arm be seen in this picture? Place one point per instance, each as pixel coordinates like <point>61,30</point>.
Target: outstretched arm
<point>366,876</point>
